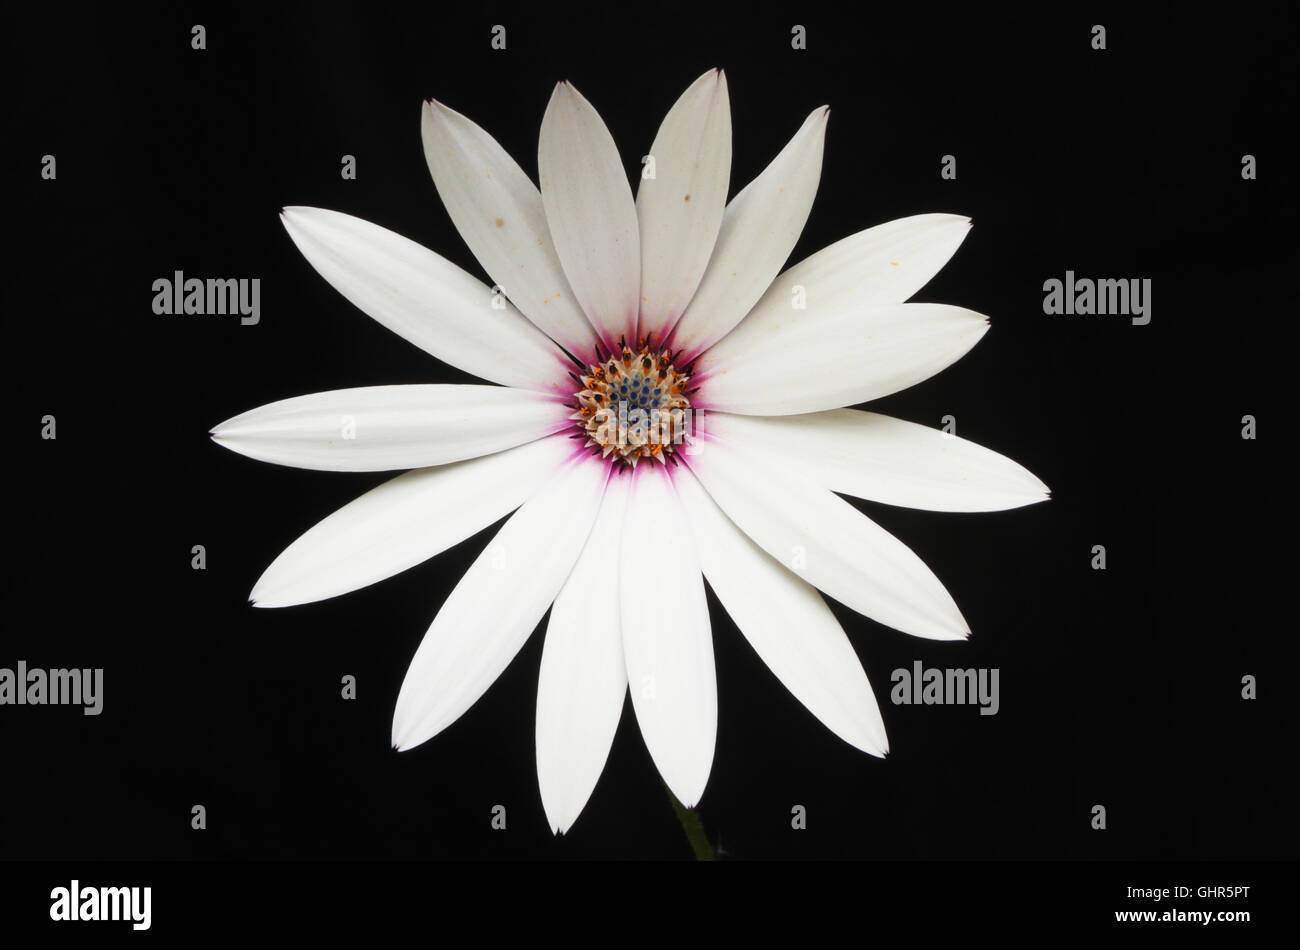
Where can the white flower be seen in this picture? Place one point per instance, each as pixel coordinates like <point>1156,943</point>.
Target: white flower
<point>689,282</point>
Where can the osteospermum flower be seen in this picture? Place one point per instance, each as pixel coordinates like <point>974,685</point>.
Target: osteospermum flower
<point>667,409</point>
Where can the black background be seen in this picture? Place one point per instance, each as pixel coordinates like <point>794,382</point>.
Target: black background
<point>1118,687</point>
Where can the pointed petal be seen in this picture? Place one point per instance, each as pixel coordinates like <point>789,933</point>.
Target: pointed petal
<point>591,214</point>
<point>826,541</point>
<point>498,212</point>
<point>759,230</point>
<point>666,636</point>
<point>885,459</point>
<point>782,361</point>
<point>583,679</point>
<point>405,521</point>
<point>886,264</point>
<point>498,603</point>
<point>680,209</point>
<point>426,300</point>
<point>383,428</point>
<point>786,621</point>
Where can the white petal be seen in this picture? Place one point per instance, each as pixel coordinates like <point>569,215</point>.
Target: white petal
<point>834,353</point>
<point>882,265</point>
<point>426,300</point>
<point>497,604</point>
<point>498,212</point>
<point>888,460</point>
<point>591,214</point>
<point>786,621</point>
<point>666,636</point>
<point>680,209</point>
<point>405,521</point>
<point>759,230</point>
<point>583,679</point>
<point>383,428</point>
<point>827,541</point>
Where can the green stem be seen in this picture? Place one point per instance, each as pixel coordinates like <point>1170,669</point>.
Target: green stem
<point>694,828</point>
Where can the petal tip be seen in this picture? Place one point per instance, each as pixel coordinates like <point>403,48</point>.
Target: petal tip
<point>261,598</point>
<point>297,214</point>
<point>402,744</point>
<point>408,735</point>
<point>434,111</point>
<point>562,93</point>
<point>870,741</point>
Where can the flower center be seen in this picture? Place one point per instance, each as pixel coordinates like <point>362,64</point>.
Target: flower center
<point>633,406</point>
